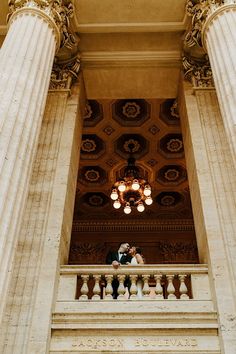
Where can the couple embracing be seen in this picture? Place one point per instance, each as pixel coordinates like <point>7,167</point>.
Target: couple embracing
<point>125,255</point>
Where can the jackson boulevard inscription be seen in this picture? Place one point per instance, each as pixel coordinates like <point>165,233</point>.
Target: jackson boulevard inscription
<point>114,343</point>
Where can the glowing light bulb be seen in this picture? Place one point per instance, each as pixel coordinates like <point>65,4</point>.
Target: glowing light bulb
<point>127,209</point>
<point>147,190</point>
<point>122,186</point>
<point>148,201</point>
<point>116,204</point>
<point>140,207</point>
<point>135,185</point>
<point>114,194</point>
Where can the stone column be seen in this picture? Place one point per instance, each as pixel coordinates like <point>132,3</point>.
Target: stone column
<point>212,177</point>
<point>219,40</point>
<point>45,232</point>
<point>26,59</point>
<point>214,29</point>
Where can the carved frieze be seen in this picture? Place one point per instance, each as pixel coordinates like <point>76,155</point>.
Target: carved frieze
<point>60,11</point>
<point>179,251</point>
<point>133,225</point>
<point>158,252</point>
<point>93,253</point>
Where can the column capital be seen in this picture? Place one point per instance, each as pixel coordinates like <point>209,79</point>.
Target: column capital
<point>57,13</point>
<point>198,10</point>
<point>229,5</point>
<point>64,73</point>
<point>198,72</point>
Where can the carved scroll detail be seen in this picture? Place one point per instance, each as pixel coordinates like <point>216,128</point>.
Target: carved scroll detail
<point>61,11</point>
<point>198,10</point>
<point>198,72</point>
<point>64,74</point>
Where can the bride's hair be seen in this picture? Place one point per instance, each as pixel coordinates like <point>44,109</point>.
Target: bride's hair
<point>139,251</point>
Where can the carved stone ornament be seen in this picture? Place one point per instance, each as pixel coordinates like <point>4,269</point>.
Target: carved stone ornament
<point>178,251</point>
<point>60,11</point>
<point>64,74</point>
<point>198,10</point>
<point>198,72</point>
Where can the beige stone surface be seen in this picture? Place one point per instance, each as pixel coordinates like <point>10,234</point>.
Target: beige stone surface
<point>128,49</point>
<point>24,83</point>
<point>211,175</point>
<point>133,326</point>
<point>129,82</point>
<point>134,342</point>
<point>44,236</point>
<point>219,38</point>
<point>131,11</point>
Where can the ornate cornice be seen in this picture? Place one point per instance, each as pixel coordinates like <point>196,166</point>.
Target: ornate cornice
<point>196,63</point>
<point>58,14</point>
<point>198,71</point>
<point>64,73</point>
<point>127,226</point>
<point>199,10</point>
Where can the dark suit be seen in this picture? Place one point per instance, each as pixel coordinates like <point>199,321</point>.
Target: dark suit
<point>114,256</point>
<point>125,258</point>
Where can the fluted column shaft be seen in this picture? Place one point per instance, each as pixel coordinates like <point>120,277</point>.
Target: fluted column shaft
<point>26,59</point>
<point>219,38</point>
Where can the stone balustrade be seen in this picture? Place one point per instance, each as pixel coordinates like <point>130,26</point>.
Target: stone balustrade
<point>143,282</point>
<point>178,315</point>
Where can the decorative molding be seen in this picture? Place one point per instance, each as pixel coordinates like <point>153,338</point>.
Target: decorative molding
<point>134,225</point>
<point>124,27</point>
<point>64,73</point>
<point>93,252</point>
<point>198,72</point>
<point>124,58</point>
<point>199,11</point>
<point>58,13</point>
<point>173,252</point>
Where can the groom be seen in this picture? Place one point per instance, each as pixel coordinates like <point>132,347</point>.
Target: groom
<point>119,257</point>
<point>116,259</point>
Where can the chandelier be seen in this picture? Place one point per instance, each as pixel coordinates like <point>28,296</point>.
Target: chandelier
<point>131,191</point>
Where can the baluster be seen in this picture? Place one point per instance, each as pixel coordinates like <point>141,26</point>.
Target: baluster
<point>158,288</point>
<point>84,288</point>
<point>109,289</point>
<point>183,288</point>
<point>121,288</point>
<point>96,288</point>
<point>146,288</point>
<point>133,288</point>
<point>170,287</point>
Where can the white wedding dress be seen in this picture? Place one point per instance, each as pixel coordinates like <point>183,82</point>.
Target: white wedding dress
<point>139,281</point>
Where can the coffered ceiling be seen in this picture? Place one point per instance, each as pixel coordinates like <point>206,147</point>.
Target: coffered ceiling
<point>165,230</point>
<point>153,126</point>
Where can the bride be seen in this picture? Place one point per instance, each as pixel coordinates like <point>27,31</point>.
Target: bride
<point>137,258</point>
<point>135,253</point>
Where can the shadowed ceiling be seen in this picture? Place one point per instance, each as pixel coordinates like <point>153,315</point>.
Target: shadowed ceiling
<point>153,127</point>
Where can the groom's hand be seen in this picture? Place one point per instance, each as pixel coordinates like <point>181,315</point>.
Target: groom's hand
<point>115,264</point>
